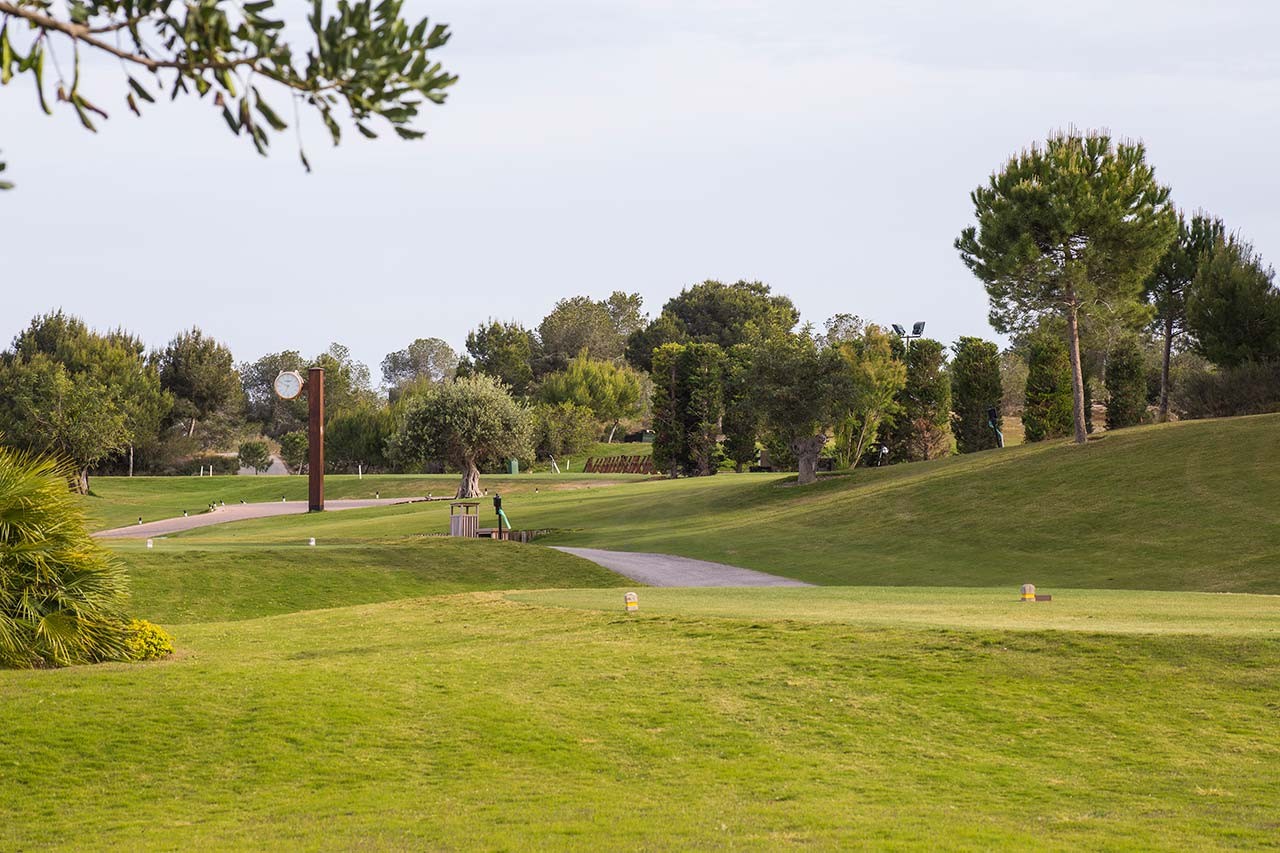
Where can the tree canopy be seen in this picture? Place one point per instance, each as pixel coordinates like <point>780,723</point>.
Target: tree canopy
<point>717,313</point>
<point>426,360</point>
<point>78,393</point>
<point>1233,309</point>
<point>611,391</point>
<point>361,61</point>
<point>504,351</point>
<point>468,422</point>
<point>199,372</point>
<point>1166,289</point>
<point>802,390</point>
<point>1074,226</point>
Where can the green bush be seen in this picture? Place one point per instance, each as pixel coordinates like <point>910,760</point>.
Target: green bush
<point>147,641</point>
<point>1252,388</point>
<point>61,593</point>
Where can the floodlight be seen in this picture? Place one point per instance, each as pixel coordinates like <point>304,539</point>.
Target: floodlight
<point>918,329</point>
<point>899,330</point>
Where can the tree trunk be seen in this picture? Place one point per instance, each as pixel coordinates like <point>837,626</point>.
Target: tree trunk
<point>807,450</point>
<point>470,485</point>
<point>192,431</point>
<point>612,430</point>
<point>1164,370</point>
<point>82,484</point>
<point>131,460</point>
<point>1077,375</point>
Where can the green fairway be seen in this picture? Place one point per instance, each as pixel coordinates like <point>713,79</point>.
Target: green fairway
<point>476,722</point>
<point>173,584</point>
<point>962,608</point>
<point>388,688</point>
<point>1186,506</point>
<point>119,501</point>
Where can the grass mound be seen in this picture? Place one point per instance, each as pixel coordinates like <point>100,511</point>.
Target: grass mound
<point>1187,506</point>
<point>176,584</point>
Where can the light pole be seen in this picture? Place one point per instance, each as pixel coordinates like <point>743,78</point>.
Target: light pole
<point>917,331</point>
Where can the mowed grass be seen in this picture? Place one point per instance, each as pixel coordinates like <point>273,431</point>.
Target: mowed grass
<point>119,501</point>
<point>1185,506</point>
<point>956,608</point>
<point>172,584</point>
<point>390,689</point>
<point>478,722</point>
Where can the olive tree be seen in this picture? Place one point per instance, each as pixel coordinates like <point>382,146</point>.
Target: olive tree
<point>466,422</point>
<point>1073,227</point>
<point>360,60</point>
<point>802,391</point>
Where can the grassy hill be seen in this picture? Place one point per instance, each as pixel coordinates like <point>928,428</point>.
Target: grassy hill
<point>1186,506</point>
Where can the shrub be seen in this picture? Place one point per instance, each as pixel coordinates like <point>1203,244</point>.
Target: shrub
<point>147,641</point>
<point>1126,384</point>
<point>1251,388</point>
<point>60,591</point>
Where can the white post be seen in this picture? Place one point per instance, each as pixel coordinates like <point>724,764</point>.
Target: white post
<point>359,471</point>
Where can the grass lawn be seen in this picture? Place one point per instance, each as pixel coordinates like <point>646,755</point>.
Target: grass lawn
<point>118,501</point>
<point>1186,506</point>
<point>477,722</point>
<point>390,689</point>
<point>175,584</point>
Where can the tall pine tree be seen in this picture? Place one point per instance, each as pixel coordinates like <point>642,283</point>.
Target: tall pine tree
<point>1070,228</point>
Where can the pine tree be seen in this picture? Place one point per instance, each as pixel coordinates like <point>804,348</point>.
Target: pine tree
<point>1170,282</point>
<point>1070,228</point>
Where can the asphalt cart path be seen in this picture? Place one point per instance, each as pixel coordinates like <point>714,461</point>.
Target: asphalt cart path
<point>666,570</point>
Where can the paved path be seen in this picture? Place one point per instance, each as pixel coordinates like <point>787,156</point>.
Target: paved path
<point>664,570</point>
<point>236,512</point>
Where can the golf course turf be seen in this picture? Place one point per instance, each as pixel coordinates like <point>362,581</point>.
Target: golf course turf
<point>389,689</point>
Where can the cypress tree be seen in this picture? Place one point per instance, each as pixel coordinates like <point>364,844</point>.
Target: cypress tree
<point>741,424</point>
<point>975,388</point>
<point>1047,412</point>
<point>921,426</point>
<point>669,450</point>
<point>1126,377</point>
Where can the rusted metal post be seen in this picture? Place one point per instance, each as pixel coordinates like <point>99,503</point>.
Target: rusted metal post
<point>315,439</point>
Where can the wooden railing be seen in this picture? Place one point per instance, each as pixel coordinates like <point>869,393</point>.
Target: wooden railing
<point>620,465</point>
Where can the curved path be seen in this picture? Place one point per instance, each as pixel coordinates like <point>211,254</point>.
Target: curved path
<point>237,512</point>
<point>665,570</point>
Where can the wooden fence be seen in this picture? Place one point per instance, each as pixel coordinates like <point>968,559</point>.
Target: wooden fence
<point>620,465</point>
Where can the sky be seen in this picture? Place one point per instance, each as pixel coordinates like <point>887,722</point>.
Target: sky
<point>825,148</point>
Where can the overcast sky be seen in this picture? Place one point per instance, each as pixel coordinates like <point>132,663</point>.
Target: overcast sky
<point>826,148</point>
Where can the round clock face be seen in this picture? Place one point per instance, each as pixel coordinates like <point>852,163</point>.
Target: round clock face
<point>289,384</point>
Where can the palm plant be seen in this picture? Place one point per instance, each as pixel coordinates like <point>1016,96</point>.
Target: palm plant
<point>61,593</point>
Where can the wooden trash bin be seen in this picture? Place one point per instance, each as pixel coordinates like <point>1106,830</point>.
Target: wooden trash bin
<point>464,519</point>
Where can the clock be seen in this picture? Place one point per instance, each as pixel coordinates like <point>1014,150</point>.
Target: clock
<point>288,384</point>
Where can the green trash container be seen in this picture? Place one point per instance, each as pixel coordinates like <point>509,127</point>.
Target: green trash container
<point>513,466</point>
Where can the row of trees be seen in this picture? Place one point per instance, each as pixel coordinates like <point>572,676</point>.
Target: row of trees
<point>1076,238</point>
